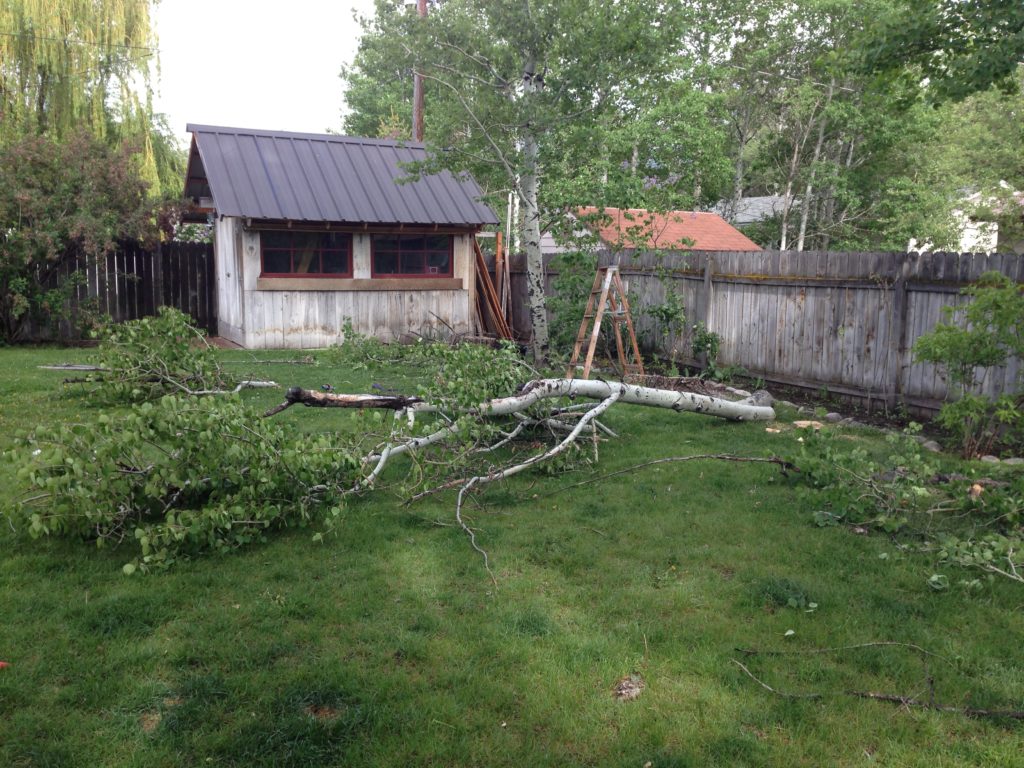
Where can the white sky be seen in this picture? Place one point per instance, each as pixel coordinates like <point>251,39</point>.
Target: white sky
<point>268,64</point>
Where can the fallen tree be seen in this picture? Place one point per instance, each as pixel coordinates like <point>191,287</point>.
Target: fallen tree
<point>524,408</point>
<point>757,407</point>
<point>181,474</point>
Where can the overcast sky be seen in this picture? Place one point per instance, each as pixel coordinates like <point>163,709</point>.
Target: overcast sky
<point>270,64</point>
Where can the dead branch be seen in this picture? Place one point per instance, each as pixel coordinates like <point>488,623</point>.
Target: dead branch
<point>838,648</point>
<point>312,399</point>
<point>777,692</point>
<point>906,701</point>
<point>241,385</point>
<point>74,367</point>
<point>910,701</point>
<point>156,378</point>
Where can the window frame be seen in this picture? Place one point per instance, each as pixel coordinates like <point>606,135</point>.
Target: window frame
<point>375,275</point>
<point>348,250</point>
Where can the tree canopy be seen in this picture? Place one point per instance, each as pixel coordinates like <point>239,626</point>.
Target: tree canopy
<point>689,105</point>
<point>66,65</point>
<point>958,47</point>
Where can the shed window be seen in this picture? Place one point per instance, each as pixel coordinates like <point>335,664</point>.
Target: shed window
<point>412,255</point>
<point>306,254</point>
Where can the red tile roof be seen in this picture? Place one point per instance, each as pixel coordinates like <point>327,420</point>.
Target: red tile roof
<point>689,230</point>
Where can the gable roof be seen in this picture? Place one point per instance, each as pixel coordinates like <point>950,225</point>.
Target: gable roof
<point>285,176</point>
<point>638,228</point>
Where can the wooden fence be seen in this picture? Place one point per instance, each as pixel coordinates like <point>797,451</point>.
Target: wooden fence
<point>133,282</point>
<point>845,322</point>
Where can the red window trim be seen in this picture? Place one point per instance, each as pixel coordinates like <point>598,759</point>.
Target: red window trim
<point>374,274</point>
<point>326,275</point>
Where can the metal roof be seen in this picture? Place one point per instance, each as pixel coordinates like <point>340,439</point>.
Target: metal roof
<point>322,177</point>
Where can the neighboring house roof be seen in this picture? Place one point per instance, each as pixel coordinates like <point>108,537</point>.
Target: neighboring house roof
<point>322,177</point>
<point>637,228</point>
<point>749,210</point>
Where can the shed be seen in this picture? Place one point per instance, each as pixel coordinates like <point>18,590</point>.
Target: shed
<point>316,232</point>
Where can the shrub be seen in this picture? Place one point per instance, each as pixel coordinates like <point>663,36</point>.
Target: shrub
<point>58,200</point>
<point>984,333</point>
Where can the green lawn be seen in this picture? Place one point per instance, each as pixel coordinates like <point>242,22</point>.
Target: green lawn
<point>388,644</point>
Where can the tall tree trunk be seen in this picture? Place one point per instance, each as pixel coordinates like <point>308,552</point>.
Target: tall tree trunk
<point>531,225</point>
<point>534,257</point>
<point>805,204</point>
<point>793,173</point>
<point>737,185</point>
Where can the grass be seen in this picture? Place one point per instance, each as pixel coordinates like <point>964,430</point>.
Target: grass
<point>388,644</point>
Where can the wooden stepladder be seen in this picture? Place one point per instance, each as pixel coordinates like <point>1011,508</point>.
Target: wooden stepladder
<point>606,297</point>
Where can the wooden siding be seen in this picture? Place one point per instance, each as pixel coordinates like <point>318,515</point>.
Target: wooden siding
<point>845,322</point>
<point>272,316</point>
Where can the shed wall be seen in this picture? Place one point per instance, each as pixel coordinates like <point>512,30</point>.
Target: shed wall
<point>307,318</point>
<point>227,238</point>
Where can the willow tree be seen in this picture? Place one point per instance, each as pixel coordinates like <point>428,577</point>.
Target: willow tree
<point>67,65</point>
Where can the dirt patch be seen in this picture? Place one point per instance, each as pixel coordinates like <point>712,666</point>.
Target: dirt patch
<point>724,571</point>
<point>321,713</point>
<point>149,721</point>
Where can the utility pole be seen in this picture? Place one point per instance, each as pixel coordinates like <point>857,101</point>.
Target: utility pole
<point>417,87</point>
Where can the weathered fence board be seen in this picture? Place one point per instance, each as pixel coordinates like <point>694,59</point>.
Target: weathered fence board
<point>845,322</point>
<point>134,282</point>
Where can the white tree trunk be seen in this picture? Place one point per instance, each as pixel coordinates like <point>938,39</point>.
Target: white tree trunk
<point>805,207</point>
<point>749,409</point>
<point>534,257</point>
<point>753,408</point>
<point>531,225</point>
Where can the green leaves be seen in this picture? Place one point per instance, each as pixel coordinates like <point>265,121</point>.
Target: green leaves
<point>957,47</point>
<point>970,524</point>
<point>60,200</point>
<point>154,356</point>
<point>986,332</point>
<point>177,477</point>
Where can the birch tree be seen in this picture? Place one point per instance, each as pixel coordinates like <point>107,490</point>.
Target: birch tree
<point>514,89</point>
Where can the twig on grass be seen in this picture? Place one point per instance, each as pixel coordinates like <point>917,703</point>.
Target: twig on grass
<point>836,649</point>
<point>906,701</point>
<point>515,469</point>
<point>910,701</point>
<point>470,532</point>
<point>777,692</point>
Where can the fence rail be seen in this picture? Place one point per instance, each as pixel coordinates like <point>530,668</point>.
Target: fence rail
<point>845,322</point>
<point>134,282</point>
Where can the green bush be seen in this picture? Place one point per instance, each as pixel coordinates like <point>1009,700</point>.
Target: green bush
<point>985,333</point>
